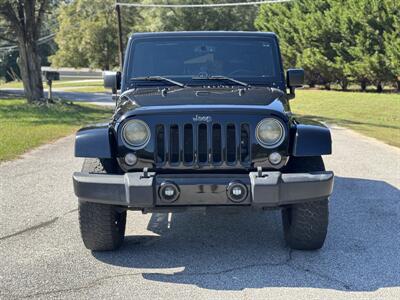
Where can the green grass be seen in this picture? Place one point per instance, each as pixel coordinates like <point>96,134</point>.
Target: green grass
<point>86,89</point>
<point>84,86</point>
<point>24,126</point>
<point>374,115</point>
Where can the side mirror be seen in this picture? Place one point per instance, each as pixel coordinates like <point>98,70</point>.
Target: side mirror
<point>295,79</point>
<point>112,80</point>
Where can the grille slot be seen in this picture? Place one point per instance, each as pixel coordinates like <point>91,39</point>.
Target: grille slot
<point>230,143</point>
<point>216,143</point>
<point>188,149</point>
<point>244,143</point>
<point>160,144</point>
<point>204,144</point>
<point>174,144</point>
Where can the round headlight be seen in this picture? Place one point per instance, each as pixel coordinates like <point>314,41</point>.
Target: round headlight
<point>136,133</point>
<point>270,133</point>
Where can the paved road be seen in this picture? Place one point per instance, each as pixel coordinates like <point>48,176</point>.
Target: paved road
<point>93,98</point>
<point>197,256</point>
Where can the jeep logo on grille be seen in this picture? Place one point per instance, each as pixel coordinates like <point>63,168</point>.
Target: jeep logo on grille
<point>198,118</point>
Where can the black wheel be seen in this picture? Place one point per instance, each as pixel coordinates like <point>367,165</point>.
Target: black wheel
<point>102,226</point>
<point>305,225</point>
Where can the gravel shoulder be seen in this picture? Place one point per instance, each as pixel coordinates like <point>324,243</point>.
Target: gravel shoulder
<point>215,255</point>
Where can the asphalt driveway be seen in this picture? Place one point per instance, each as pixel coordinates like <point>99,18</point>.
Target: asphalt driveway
<point>92,98</point>
<point>202,256</point>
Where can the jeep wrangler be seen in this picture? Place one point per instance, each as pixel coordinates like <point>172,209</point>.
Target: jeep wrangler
<point>203,120</point>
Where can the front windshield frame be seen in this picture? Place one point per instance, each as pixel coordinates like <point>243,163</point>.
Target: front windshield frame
<point>277,80</point>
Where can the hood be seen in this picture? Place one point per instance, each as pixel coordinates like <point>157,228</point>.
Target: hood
<point>157,96</point>
<point>158,100</point>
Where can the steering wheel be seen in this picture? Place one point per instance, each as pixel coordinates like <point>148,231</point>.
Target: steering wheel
<point>241,72</point>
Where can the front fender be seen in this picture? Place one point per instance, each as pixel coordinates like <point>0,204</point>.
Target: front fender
<point>94,141</point>
<point>311,138</point>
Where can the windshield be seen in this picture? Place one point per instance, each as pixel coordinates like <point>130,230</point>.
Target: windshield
<point>247,59</point>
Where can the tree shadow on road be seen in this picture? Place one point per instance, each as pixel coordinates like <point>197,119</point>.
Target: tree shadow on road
<point>234,251</point>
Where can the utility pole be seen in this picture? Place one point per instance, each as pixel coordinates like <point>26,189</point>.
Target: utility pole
<point>120,42</point>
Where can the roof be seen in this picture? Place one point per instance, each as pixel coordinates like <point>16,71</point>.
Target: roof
<point>203,33</point>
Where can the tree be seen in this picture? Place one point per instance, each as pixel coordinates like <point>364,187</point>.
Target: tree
<point>176,19</point>
<point>371,21</point>
<point>391,40</point>
<point>309,37</point>
<point>280,19</point>
<point>25,19</point>
<point>392,45</point>
<point>8,66</point>
<point>338,40</point>
<point>87,35</point>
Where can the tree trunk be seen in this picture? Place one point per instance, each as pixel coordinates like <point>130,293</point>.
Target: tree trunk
<point>363,84</point>
<point>328,86</point>
<point>29,64</point>
<point>398,85</point>
<point>379,88</point>
<point>344,84</point>
<point>25,18</point>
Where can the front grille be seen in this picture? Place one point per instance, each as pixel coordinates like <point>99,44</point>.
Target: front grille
<point>203,144</point>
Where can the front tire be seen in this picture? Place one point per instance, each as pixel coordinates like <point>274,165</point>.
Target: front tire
<point>102,226</point>
<point>305,225</point>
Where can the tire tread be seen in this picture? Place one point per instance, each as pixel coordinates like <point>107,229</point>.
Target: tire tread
<point>102,226</point>
<point>305,225</point>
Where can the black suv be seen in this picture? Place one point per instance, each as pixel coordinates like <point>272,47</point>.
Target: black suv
<point>203,120</point>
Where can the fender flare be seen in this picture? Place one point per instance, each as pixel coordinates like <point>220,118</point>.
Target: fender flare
<point>311,138</point>
<point>94,141</point>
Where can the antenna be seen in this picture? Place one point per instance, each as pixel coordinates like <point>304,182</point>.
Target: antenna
<point>120,41</point>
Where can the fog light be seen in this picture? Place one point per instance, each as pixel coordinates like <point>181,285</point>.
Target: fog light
<point>236,191</point>
<point>169,192</point>
<point>130,159</point>
<point>275,158</point>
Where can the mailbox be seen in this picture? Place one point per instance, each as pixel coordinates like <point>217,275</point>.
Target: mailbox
<point>51,75</point>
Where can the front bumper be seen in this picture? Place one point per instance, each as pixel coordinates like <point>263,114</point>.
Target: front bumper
<point>137,191</point>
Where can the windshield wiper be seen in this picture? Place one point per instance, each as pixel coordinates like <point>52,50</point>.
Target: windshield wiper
<point>222,77</point>
<point>158,78</point>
